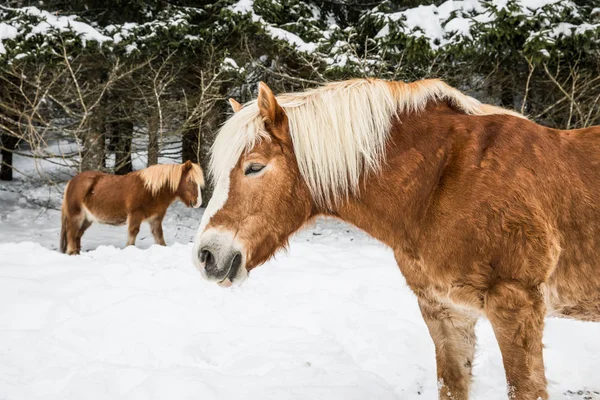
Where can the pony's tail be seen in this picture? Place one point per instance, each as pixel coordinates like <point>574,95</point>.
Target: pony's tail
<point>63,226</point>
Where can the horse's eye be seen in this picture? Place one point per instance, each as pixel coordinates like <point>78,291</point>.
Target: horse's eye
<point>253,169</point>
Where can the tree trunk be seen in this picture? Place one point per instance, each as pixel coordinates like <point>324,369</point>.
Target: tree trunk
<point>122,135</point>
<point>507,95</point>
<point>198,139</point>
<point>9,144</point>
<point>189,144</point>
<point>153,143</point>
<point>93,157</point>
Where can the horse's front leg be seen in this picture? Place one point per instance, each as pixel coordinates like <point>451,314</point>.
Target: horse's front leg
<point>133,226</point>
<point>453,334</point>
<point>157,231</point>
<point>516,312</point>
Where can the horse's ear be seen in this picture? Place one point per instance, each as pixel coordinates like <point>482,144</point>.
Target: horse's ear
<point>187,166</point>
<point>269,109</point>
<point>235,106</point>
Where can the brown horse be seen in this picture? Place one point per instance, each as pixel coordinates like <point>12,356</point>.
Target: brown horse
<point>488,213</point>
<point>138,196</point>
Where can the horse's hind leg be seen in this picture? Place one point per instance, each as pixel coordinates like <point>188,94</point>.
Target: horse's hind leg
<point>72,226</point>
<point>157,231</point>
<point>453,333</point>
<point>133,226</point>
<point>85,224</point>
<point>516,312</point>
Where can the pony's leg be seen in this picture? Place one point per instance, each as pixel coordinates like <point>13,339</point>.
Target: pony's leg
<point>157,231</point>
<point>73,224</point>
<point>453,334</point>
<point>84,226</point>
<point>134,222</point>
<point>516,312</point>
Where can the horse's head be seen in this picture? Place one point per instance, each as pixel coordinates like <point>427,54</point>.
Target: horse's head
<point>260,197</point>
<point>191,183</point>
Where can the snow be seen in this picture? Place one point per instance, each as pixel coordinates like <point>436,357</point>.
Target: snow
<point>332,318</point>
<point>422,20</point>
<point>567,29</point>
<point>229,64</point>
<point>47,22</point>
<point>247,7</point>
<point>243,6</point>
<point>383,32</point>
<point>534,5</point>
<point>563,28</point>
<point>230,61</point>
<point>47,25</point>
<point>63,24</point>
<point>291,38</point>
<point>6,32</point>
<point>452,20</point>
<point>436,23</point>
<point>131,47</point>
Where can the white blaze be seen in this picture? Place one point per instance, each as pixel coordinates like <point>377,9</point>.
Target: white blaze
<point>217,201</point>
<point>199,200</point>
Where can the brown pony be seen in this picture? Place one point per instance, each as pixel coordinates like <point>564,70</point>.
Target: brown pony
<point>488,213</point>
<point>138,196</point>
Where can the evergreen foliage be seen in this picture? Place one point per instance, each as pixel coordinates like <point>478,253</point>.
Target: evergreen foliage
<point>164,68</point>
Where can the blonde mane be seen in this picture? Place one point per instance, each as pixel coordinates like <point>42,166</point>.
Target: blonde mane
<point>157,177</point>
<point>339,131</point>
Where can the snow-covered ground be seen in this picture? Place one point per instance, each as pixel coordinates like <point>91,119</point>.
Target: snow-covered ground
<point>330,319</point>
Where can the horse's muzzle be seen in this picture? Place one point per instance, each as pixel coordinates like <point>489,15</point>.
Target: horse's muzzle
<point>227,268</point>
<point>219,259</point>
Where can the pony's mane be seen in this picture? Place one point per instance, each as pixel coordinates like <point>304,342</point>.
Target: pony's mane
<point>339,131</point>
<point>157,177</point>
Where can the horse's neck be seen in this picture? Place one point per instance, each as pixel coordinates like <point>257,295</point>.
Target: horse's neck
<point>392,205</point>
<point>165,195</point>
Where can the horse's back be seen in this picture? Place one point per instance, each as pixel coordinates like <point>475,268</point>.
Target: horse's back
<point>582,152</point>
<point>101,197</point>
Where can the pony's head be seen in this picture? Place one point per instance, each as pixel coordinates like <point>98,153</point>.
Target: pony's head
<point>185,181</point>
<point>278,162</point>
<point>191,184</point>
<point>260,198</point>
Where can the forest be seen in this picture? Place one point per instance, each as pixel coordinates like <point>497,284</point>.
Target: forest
<point>97,87</point>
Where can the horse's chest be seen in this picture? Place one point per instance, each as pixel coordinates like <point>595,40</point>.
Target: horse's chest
<point>443,283</point>
<point>419,275</point>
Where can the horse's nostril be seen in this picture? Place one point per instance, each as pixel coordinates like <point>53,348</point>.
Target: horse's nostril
<point>206,257</point>
<point>209,261</point>
<point>235,266</point>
